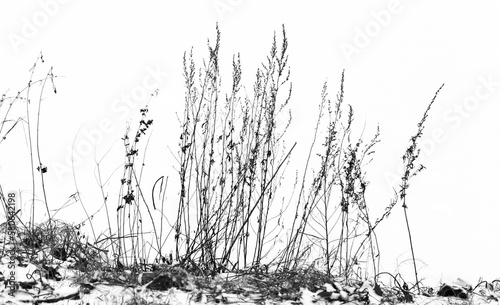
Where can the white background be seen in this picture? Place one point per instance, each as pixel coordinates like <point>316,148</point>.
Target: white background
<point>395,54</point>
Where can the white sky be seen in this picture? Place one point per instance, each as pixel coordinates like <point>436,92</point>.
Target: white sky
<point>401,52</point>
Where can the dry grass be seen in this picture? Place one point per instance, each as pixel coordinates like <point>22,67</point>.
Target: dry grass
<point>231,161</point>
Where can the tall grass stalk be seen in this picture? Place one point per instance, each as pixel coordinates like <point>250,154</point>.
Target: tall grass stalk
<point>409,158</point>
<point>32,141</point>
<point>129,215</point>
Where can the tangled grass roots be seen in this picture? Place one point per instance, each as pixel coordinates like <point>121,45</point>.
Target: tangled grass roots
<point>59,239</point>
<point>272,284</point>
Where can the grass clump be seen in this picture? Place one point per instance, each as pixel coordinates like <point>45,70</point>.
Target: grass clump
<point>230,163</point>
<point>230,166</point>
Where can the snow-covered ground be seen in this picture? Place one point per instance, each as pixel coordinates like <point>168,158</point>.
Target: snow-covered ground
<point>36,287</point>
